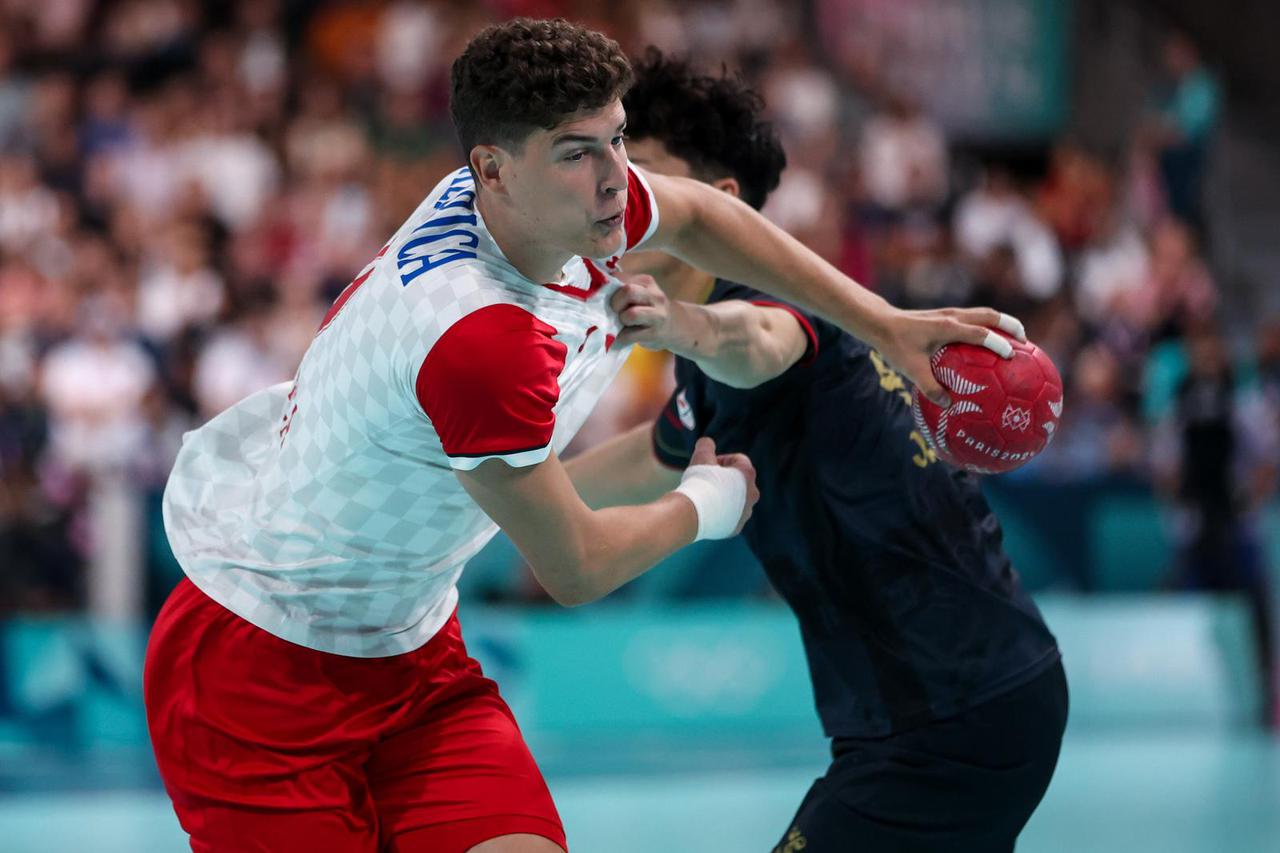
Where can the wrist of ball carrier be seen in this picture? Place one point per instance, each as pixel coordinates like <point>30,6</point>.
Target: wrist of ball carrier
<point>718,495</point>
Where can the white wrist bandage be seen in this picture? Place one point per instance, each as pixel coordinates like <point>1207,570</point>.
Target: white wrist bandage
<point>718,494</point>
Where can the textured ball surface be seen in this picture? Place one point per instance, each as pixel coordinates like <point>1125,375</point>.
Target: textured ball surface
<point>1002,413</point>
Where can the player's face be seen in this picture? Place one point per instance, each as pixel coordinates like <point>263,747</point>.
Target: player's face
<point>570,183</point>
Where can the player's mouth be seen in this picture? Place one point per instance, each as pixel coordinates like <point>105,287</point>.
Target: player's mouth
<point>610,222</point>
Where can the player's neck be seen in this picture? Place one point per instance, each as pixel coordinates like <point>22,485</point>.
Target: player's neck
<point>532,259</point>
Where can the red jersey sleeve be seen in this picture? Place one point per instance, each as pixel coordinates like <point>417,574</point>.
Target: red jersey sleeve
<point>490,386</point>
<point>641,215</point>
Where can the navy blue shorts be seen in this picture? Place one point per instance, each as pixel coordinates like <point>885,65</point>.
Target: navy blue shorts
<point>966,784</point>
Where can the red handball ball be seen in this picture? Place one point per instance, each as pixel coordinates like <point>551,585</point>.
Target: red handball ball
<point>1002,412</point>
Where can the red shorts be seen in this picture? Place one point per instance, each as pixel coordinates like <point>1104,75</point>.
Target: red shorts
<point>265,745</point>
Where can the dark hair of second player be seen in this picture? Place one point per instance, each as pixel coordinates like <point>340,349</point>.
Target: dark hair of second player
<point>712,122</point>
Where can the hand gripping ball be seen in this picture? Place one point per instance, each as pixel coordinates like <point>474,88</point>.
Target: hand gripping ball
<point>1002,412</point>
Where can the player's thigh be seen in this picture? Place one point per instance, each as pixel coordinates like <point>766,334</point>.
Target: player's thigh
<point>461,778</point>
<point>253,757</point>
<point>218,829</point>
<point>517,844</point>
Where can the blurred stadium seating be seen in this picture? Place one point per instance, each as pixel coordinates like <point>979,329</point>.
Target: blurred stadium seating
<point>185,186</point>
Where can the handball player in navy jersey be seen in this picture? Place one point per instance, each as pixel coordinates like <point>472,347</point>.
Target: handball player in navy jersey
<point>934,674</point>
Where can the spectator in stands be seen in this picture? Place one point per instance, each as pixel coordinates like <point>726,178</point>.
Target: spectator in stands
<point>1216,458</point>
<point>177,287</point>
<point>1175,295</point>
<point>1074,196</point>
<point>904,159</point>
<point>995,217</point>
<point>1179,292</point>
<point>93,386</point>
<point>241,358</point>
<point>28,207</point>
<point>1111,267</point>
<point>1183,114</point>
<point>40,569</point>
<point>1100,436</point>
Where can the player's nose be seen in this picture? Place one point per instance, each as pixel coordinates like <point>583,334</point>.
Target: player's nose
<point>614,180</point>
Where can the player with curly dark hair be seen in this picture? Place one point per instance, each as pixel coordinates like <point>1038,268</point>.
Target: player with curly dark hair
<point>933,672</point>
<point>307,685</point>
<point>712,123</point>
<point>530,75</point>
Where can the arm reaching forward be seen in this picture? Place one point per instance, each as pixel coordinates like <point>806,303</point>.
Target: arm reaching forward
<point>579,554</point>
<point>721,235</point>
<point>739,343</point>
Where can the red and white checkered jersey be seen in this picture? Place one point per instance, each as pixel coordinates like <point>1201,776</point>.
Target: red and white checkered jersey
<point>326,511</point>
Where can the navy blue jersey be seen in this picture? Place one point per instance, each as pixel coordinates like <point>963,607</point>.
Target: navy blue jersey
<point>891,559</point>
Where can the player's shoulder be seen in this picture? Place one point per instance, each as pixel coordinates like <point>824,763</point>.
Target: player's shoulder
<point>478,318</point>
<point>443,259</point>
<point>445,234</point>
<point>500,325</point>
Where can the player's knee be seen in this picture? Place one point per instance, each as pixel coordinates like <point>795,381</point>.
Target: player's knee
<point>520,843</point>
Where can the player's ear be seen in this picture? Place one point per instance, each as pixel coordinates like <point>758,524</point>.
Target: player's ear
<point>487,164</point>
<point>728,185</point>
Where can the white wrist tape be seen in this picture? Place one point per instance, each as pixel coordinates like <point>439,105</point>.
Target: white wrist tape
<point>718,494</point>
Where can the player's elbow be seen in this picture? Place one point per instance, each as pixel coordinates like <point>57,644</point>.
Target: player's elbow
<point>571,596</point>
<point>761,351</point>
<point>569,583</point>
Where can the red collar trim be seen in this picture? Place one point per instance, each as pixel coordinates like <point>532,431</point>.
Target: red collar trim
<point>598,280</point>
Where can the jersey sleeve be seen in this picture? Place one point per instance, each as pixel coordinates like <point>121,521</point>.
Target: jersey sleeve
<point>640,219</point>
<point>490,386</point>
<point>813,327</point>
<point>673,438</point>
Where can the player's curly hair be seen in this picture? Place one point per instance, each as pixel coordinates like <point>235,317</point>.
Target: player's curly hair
<point>525,74</point>
<point>711,122</point>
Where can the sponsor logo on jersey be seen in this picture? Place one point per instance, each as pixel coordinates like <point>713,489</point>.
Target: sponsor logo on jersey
<point>685,411</point>
<point>793,843</point>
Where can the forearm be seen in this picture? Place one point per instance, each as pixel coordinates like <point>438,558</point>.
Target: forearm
<point>737,343</point>
<point>726,238</point>
<point>720,235</point>
<point>622,470</point>
<point>577,554</point>
<point>621,543</point>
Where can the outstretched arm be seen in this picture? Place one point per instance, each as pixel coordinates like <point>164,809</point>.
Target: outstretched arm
<point>721,235</point>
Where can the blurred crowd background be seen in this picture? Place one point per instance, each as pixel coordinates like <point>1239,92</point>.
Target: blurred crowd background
<point>185,186</point>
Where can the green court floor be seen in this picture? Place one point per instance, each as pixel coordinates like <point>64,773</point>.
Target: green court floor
<point>1114,793</point>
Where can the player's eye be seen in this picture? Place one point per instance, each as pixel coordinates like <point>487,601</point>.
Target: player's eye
<point>617,140</point>
<point>576,156</point>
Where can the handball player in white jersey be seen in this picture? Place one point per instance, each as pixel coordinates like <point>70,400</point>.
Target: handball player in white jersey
<point>307,686</point>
